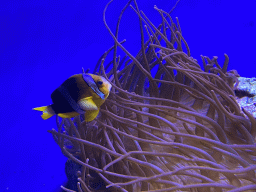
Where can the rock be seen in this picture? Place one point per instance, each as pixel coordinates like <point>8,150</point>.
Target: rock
<point>246,94</point>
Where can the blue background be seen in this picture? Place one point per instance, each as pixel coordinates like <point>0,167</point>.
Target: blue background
<point>42,43</point>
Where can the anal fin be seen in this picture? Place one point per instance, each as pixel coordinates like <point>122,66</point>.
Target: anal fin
<point>91,115</point>
<point>68,115</point>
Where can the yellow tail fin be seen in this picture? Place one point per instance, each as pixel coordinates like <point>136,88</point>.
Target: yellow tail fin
<point>47,112</point>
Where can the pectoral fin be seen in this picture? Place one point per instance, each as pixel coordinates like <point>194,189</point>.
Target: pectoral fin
<point>87,104</point>
<point>91,115</point>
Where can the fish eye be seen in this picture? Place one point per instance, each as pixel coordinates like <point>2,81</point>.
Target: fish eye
<point>99,82</point>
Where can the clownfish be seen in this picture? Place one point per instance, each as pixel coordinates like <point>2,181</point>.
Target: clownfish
<point>79,94</point>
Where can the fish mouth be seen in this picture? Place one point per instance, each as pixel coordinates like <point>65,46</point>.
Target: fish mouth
<point>106,82</point>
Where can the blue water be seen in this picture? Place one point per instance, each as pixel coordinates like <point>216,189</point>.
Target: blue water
<point>42,43</point>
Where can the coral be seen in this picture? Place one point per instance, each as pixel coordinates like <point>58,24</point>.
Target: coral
<point>178,130</point>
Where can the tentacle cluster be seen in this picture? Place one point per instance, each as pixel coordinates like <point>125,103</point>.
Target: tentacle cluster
<point>178,130</point>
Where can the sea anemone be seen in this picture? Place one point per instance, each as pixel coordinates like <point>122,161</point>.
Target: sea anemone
<point>178,130</point>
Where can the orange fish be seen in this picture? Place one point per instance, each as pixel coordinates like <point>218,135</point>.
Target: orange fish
<point>80,94</point>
